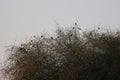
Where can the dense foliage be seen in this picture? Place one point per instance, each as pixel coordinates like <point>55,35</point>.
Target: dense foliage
<point>72,54</point>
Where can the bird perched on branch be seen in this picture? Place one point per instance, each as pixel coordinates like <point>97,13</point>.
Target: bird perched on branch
<point>75,23</point>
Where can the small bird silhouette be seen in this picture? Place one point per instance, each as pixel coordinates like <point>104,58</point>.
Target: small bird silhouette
<point>75,23</point>
<point>51,37</point>
<point>41,36</point>
<point>98,27</point>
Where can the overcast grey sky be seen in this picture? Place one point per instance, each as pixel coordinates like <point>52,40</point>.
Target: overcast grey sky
<point>23,18</point>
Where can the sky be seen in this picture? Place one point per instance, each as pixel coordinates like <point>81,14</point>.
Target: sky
<point>21,19</point>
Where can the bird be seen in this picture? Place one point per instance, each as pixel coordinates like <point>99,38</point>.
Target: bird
<point>41,36</point>
<point>31,41</point>
<point>75,23</point>
<point>51,37</point>
<point>98,27</point>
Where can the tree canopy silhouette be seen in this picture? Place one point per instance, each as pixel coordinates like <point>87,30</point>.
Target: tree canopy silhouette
<point>71,54</point>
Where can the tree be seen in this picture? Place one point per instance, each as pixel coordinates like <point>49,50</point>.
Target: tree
<point>72,54</point>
